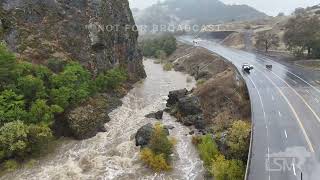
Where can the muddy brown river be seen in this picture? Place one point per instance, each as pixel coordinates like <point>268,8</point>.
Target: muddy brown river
<point>113,154</point>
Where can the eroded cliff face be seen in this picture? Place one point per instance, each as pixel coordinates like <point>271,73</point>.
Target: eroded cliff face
<point>97,33</point>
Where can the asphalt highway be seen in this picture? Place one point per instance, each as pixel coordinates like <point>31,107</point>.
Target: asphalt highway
<point>285,113</point>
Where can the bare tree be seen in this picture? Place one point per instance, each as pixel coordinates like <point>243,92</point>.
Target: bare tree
<point>266,40</point>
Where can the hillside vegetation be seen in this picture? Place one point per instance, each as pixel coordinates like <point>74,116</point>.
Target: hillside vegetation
<point>32,95</point>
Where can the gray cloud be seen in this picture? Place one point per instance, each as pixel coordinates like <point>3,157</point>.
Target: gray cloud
<point>271,7</point>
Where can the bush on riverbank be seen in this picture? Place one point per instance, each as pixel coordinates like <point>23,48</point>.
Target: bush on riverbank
<point>157,153</point>
<point>168,66</point>
<point>160,47</point>
<point>215,162</point>
<point>32,95</point>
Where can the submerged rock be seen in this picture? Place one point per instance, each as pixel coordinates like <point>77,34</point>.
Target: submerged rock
<point>170,127</point>
<point>156,115</point>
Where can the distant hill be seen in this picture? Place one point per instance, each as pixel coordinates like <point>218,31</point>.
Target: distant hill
<point>195,12</point>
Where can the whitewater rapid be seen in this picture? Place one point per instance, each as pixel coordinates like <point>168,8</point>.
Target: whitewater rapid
<point>113,154</point>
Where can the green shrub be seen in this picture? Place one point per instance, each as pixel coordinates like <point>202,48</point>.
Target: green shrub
<point>223,169</point>
<point>13,140</point>
<point>39,137</point>
<point>12,107</point>
<point>161,54</point>
<point>159,47</point>
<point>200,82</point>
<point>41,112</point>
<point>155,162</point>
<point>160,143</point>
<point>207,149</point>
<point>10,165</point>
<point>238,139</point>
<point>32,88</point>
<point>7,65</point>
<point>157,154</point>
<point>168,67</point>
<point>112,79</point>
<point>70,87</point>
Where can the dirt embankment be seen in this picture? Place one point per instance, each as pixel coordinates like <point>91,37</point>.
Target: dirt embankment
<point>222,91</point>
<point>235,40</point>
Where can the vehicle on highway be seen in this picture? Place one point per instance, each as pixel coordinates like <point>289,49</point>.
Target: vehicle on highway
<point>247,67</point>
<point>269,66</point>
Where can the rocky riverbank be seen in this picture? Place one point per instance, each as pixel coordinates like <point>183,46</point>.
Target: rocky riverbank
<point>221,95</point>
<point>218,109</point>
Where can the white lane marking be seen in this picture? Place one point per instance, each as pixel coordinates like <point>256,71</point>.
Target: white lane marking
<point>280,115</point>
<point>317,100</point>
<point>294,81</point>
<point>294,169</point>
<point>269,176</point>
<point>294,113</point>
<point>308,91</point>
<point>285,133</point>
<point>272,97</point>
<point>260,97</point>
<point>304,101</point>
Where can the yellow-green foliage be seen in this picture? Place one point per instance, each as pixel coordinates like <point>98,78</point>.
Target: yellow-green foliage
<point>200,82</point>
<point>167,67</point>
<point>160,143</point>
<point>207,149</point>
<point>223,169</point>
<point>155,162</point>
<point>10,165</point>
<point>157,154</point>
<point>215,162</point>
<point>238,139</point>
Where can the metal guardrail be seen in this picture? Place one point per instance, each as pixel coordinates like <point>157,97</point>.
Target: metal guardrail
<point>250,152</point>
<point>252,128</point>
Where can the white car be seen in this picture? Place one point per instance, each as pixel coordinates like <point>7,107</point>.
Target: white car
<point>247,67</point>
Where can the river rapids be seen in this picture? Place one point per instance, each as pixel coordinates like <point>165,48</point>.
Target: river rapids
<point>113,154</point>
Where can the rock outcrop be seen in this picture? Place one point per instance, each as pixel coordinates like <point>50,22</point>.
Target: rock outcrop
<point>100,34</point>
<point>186,107</point>
<point>174,96</point>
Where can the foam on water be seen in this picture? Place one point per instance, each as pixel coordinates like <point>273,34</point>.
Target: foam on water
<point>113,154</point>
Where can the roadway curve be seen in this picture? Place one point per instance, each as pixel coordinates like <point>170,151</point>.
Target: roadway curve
<point>285,114</point>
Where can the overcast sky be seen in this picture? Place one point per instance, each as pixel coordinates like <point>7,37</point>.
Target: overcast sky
<point>271,7</point>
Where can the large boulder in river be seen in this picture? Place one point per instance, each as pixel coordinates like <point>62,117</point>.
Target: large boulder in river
<point>87,120</point>
<point>174,96</point>
<point>189,106</point>
<point>156,115</point>
<point>143,135</point>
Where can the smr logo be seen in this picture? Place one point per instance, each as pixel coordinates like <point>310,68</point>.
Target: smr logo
<point>293,160</point>
<point>278,164</point>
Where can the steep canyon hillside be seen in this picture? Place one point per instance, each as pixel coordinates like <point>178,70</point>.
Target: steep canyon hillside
<point>96,33</point>
<point>188,12</point>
